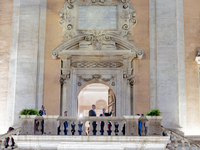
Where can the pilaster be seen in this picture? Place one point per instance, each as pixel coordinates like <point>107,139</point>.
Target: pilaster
<point>167,67</point>
<point>27,58</point>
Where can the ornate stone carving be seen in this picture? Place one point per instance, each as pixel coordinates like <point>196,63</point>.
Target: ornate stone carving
<point>64,76</point>
<point>95,77</point>
<point>125,17</point>
<point>75,41</point>
<point>118,38</point>
<point>93,64</point>
<point>62,79</point>
<point>131,80</point>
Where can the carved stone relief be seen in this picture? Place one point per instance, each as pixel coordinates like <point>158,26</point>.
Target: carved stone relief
<point>96,77</point>
<point>93,64</point>
<point>125,17</point>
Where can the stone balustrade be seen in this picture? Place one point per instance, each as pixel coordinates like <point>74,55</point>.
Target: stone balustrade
<point>89,126</point>
<point>8,137</point>
<point>178,141</point>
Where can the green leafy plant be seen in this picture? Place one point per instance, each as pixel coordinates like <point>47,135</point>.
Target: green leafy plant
<point>29,112</point>
<point>153,112</point>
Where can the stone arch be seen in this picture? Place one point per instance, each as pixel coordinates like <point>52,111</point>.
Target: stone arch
<point>101,82</point>
<point>100,103</point>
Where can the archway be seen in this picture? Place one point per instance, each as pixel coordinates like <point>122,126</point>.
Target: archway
<point>100,94</point>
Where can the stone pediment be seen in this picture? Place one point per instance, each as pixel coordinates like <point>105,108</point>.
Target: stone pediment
<point>73,45</point>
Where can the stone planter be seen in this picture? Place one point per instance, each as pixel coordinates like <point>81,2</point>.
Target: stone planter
<point>131,125</point>
<point>154,127</point>
<point>50,124</point>
<point>27,124</point>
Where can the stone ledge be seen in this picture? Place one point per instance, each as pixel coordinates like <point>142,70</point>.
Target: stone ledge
<point>91,142</point>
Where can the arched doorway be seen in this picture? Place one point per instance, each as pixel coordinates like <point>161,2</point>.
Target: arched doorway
<point>99,94</point>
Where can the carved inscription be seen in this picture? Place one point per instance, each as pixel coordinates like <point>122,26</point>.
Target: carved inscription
<point>97,17</point>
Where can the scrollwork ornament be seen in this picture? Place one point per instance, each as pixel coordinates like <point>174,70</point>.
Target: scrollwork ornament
<point>88,38</point>
<point>125,6</point>
<point>113,83</point>
<point>107,38</point>
<point>79,83</point>
<point>124,1</point>
<point>125,27</point>
<point>70,2</point>
<point>69,26</point>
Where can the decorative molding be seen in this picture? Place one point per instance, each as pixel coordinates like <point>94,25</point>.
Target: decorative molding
<point>95,77</point>
<point>125,17</point>
<point>75,41</point>
<point>93,64</point>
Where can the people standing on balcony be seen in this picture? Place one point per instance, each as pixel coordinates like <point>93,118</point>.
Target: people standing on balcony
<point>66,124</point>
<point>80,124</point>
<point>104,114</point>
<point>73,127</point>
<point>139,126</point>
<point>92,113</point>
<point>42,112</point>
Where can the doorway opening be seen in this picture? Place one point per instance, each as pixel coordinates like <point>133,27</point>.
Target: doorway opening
<point>102,95</point>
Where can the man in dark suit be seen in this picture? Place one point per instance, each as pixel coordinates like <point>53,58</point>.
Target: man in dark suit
<point>92,113</point>
<point>102,122</point>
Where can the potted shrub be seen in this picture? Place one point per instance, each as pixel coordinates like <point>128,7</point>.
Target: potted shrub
<point>154,120</point>
<point>27,117</point>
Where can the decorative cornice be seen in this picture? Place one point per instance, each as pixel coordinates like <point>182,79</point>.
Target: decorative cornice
<point>73,42</point>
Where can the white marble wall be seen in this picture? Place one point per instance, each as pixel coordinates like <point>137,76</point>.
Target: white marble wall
<point>27,58</point>
<point>167,69</point>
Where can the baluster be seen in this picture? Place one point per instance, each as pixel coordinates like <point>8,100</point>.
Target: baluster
<point>84,128</point>
<point>62,127</point>
<point>183,144</point>
<point>69,133</point>
<point>121,123</point>
<point>190,147</point>
<point>175,143</point>
<point>3,144</point>
<point>10,143</point>
<point>40,127</point>
<point>169,146</point>
<point>113,128</point>
<point>98,128</point>
<point>196,147</point>
<point>142,128</point>
<point>76,127</point>
<point>90,128</point>
<point>105,128</point>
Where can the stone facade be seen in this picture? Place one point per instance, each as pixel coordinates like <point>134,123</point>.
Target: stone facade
<point>166,77</point>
